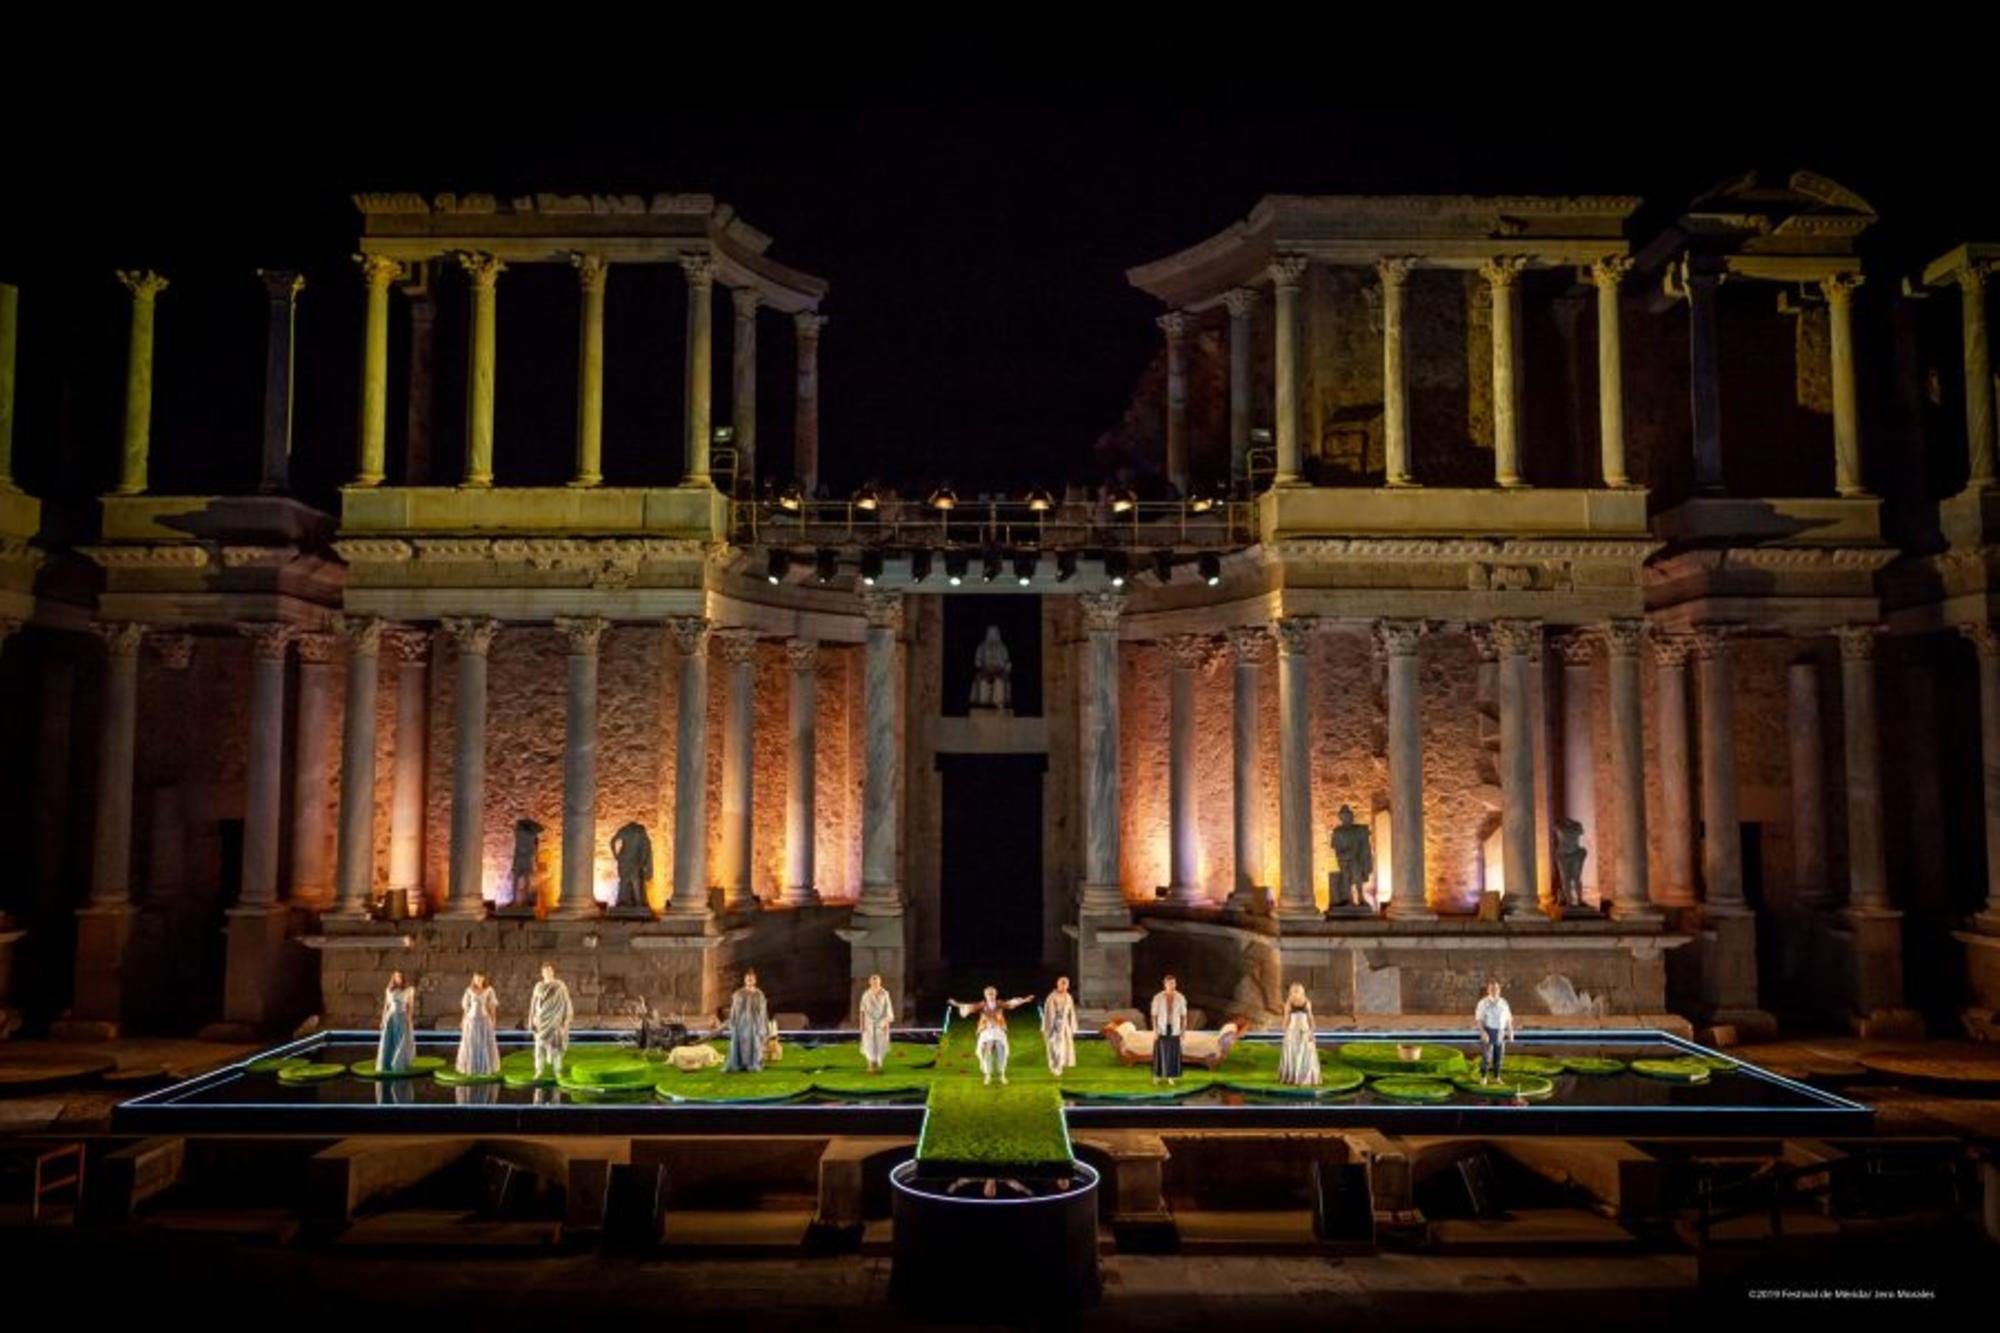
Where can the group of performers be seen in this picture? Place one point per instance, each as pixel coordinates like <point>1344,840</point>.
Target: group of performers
<point>550,1012</point>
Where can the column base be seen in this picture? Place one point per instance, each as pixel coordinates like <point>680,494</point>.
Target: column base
<point>880,900</point>
<point>1639,911</point>
<point>1249,898</point>
<point>878,943</point>
<point>1350,912</point>
<point>259,989</point>
<point>475,910</point>
<point>103,934</point>
<point>800,895</point>
<point>1292,914</point>
<point>1875,938</point>
<point>1184,895</point>
<point>1104,947</point>
<point>1395,910</point>
<point>1101,898</point>
<point>1888,1025</point>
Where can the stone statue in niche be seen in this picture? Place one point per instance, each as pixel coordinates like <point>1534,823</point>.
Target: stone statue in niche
<point>1570,854</point>
<point>1354,861</point>
<point>632,848</point>
<point>521,872</point>
<point>992,673</point>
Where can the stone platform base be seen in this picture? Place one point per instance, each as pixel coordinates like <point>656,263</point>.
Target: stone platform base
<point>1981,1017</point>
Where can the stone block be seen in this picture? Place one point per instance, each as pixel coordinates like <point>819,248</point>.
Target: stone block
<point>343,1178</point>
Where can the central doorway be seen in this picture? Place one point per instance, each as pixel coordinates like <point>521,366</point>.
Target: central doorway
<point>991,886</point>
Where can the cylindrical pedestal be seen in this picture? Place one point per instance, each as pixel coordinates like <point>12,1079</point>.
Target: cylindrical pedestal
<point>1049,1240</point>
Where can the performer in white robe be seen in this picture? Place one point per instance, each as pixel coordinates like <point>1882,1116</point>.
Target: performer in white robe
<point>992,1048</point>
<point>1169,1022</point>
<point>398,1045</point>
<point>478,1034</point>
<point>749,1027</point>
<point>1059,1027</point>
<point>1298,1061</point>
<point>877,1012</point>
<point>550,1013</point>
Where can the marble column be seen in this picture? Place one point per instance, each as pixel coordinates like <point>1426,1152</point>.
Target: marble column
<point>699,383</point>
<point>1721,828</point>
<point>1250,648</point>
<point>163,860</point>
<point>423,361</point>
<point>145,288</point>
<point>591,272</point>
<point>465,895</point>
<point>1396,467</point>
<point>1670,655</point>
<point>1808,773</point>
<point>264,782</point>
<point>805,417</point>
<point>1986,641</point>
<point>1579,745</point>
<point>1175,325</point>
<point>1399,642</point>
<point>1241,301</point>
<point>356,864</point>
<point>739,764</point>
<point>1631,895</point>
<point>1606,274</point>
<point>1288,275</point>
<point>581,637</point>
<point>1101,886</point>
<point>311,772</point>
<point>371,446</point>
<point>1184,654</point>
<point>1867,865</point>
<point>412,649</point>
<point>1838,289</point>
<point>881,783</point>
<point>1295,840</point>
<point>800,824</point>
<point>1502,274</point>
<point>1697,286</point>
<point>1514,639</point>
<point>10,335</point>
<point>743,387</point>
<point>281,292</point>
<point>690,895</point>
<point>117,743</point>
<point>1984,463</point>
<point>1540,739</point>
<point>484,271</point>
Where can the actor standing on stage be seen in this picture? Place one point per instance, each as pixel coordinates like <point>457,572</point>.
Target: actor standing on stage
<point>550,1013</point>
<point>478,1032</point>
<point>1495,1020</point>
<point>877,1012</point>
<point>1059,1027</point>
<point>992,1048</point>
<point>1169,1022</point>
<point>1298,1062</point>
<point>749,1026</point>
<point>398,1046</point>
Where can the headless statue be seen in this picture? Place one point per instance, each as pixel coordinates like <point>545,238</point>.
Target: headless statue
<point>1354,859</point>
<point>521,873</point>
<point>632,848</point>
<point>992,673</point>
<point>1570,854</point>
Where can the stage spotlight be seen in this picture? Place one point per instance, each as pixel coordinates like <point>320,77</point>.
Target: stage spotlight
<point>826,564</point>
<point>1211,568</point>
<point>871,568</point>
<point>1065,566</point>
<point>1163,565</point>
<point>989,567</point>
<point>1122,500</point>
<point>776,565</point>
<point>1040,501</point>
<point>792,498</point>
<point>1202,498</point>
<point>723,435</point>
<point>954,568</point>
<point>1116,568</point>
<point>920,565</point>
<point>1024,570</point>
<point>944,498</point>
<point>868,499</point>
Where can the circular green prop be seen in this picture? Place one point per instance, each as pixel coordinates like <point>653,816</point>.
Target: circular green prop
<point>1673,1071</point>
<point>888,1083</point>
<point>1528,1087</point>
<point>451,1078</point>
<point>766,1085</point>
<point>585,1092</point>
<point>310,1073</point>
<point>1137,1086</point>
<point>1334,1081</point>
<point>1383,1058</point>
<point>1541,1066</point>
<point>1593,1064</point>
<point>630,1072</point>
<point>1400,1089</point>
<point>422,1064</point>
<point>276,1064</point>
<point>1721,1064</point>
<point>845,1057</point>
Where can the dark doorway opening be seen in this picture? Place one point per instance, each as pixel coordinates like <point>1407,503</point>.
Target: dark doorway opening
<point>992,883</point>
<point>1018,617</point>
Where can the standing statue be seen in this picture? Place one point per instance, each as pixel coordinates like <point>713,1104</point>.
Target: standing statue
<point>749,1026</point>
<point>521,874</point>
<point>1570,854</point>
<point>1354,855</point>
<point>632,848</point>
<point>992,673</point>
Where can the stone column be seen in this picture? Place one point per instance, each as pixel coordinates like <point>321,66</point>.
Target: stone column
<point>581,636</point>
<point>690,896</point>
<point>1240,301</point>
<point>412,648</point>
<point>805,419</point>
<point>1288,275</point>
<point>1398,641</point>
<point>1174,324</point>
<point>263,784</point>
<point>1579,746</point>
<point>378,271</point>
<point>1396,470</point>
<point>1867,867</point>
<point>311,773</point>
<point>1979,436</point>
<point>591,272</point>
<point>1721,830</point>
<point>356,866</point>
<point>739,763</point>
<point>1606,274</point>
<point>1540,740</point>
<point>1185,653</point>
<point>10,334</point>
<point>1514,639</point>
<point>743,387</point>
<point>281,289</point>
<point>1987,643</point>
<point>882,781</point>
<point>700,377</point>
<point>163,860</point>
<point>1698,287</point>
<point>1295,840</point>
<point>1838,289</point>
<point>484,271</point>
<point>1670,654</point>
<point>800,825</point>
<point>1808,771</point>
<point>1631,895</point>
<point>117,740</point>
<point>423,359</point>
<point>1250,646</point>
<point>1502,274</point>
<point>465,896</point>
<point>145,288</point>
<point>1101,612</point>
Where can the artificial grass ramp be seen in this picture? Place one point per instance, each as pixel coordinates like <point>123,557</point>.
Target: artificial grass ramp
<point>973,1128</point>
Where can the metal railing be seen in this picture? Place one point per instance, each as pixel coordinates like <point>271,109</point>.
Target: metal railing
<point>1222,525</point>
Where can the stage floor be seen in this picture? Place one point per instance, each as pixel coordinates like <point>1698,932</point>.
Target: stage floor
<point>1743,1100</point>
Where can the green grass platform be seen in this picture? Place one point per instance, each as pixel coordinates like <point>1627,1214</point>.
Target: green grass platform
<point>890,1082</point>
<point>972,1128</point>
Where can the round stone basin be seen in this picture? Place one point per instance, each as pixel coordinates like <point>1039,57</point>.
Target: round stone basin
<point>958,1250</point>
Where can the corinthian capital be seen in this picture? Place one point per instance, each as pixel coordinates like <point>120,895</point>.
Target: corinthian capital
<point>483,269</point>
<point>1394,270</point>
<point>1289,270</point>
<point>315,646</point>
<point>803,654</point>
<point>363,633</point>
<point>1399,638</point>
<point>1518,637</point>
<point>699,270</point>
<point>1712,642</point>
<point>581,634</point>
<point>1250,644</point>
<point>1101,611</point>
<point>121,638</point>
<point>591,271</point>
<point>1240,301</point>
<point>809,323</point>
<point>1578,647</point>
<point>1622,638</point>
<point>379,270</point>
<point>269,638</point>
<point>882,610</point>
<point>175,651</point>
<point>690,634</point>
<point>1972,275</point>
<point>1295,635</point>
<point>1185,651</point>
<point>144,284</point>
<point>1838,288</point>
<point>1673,650</point>
<point>746,300</point>
<point>1174,324</point>
<point>472,634</point>
<point>1857,642</point>
<point>1983,637</point>
<point>1609,271</point>
<point>1502,271</point>
<point>737,645</point>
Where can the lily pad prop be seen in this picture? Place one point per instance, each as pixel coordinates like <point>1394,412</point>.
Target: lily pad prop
<point>1541,1066</point>
<point>1134,1086</point>
<point>1383,1058</point>
<point>584,1092</point>
<point>1721,1064</point>
<point>712,1085</point>
<point>1399,1088</point>
<point>1528,1087</point>
<point>1673,1071</point>
<point>1598,1065</point>
<point>630,1072</point>
<point>888,1083</point>
<point>1334,1081</point>
<point>451,1078</point>
<point>276,1064</point>
<point>845,1057</point>
<point>422,1064</point>
<point>310,1073</point>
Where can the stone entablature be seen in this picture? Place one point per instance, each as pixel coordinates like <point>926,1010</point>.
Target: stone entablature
<point>694,514</point>
<point>1308,511</point>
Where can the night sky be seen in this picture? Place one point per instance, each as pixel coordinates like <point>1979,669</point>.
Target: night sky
<point>981,324</point>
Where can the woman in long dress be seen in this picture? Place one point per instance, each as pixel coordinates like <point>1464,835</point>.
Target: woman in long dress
<point>479,1034</point>
<point>398,1046</point>
<point>992,1048</point>
<point>877,1013</point>
<point>1298,1062</point>
<point>1059,1027</point>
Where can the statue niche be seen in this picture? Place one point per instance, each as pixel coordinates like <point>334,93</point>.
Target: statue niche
<point>992,675</point>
